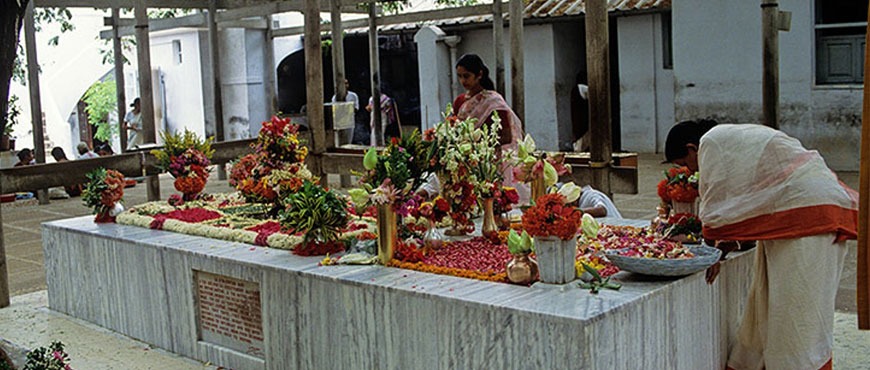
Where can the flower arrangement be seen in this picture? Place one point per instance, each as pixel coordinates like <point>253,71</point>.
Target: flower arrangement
<point>392,176</point>
<point>682,225</point>
<point>679,185</point>
<point>457,152</point>
<point>505,198</point>
<point>319,213</point>
<point>276,168</point>
<point>487,160</point>
<point>54,357</point>
<point>552,214</point>
<point>530,165</point>
<point>434,210</point>
<point>186,157</point>
<point>103,192</point>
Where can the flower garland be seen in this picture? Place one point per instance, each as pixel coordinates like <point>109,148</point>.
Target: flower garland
<point>680,184</point>
<point>103,193</point>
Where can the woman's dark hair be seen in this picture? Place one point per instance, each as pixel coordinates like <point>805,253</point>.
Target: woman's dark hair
<point>24,153</point>
<point>683,133</point>
<point>473,64</point>
<point>58,153</point>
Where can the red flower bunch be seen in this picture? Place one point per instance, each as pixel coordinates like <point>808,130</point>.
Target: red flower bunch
<point>407,252</point>
<point>684,223</point>
<point>278,141</point>
<point>103,190</point>
<point>680,185</point>
<point>464,199</point>
<point>505,197</point>
<point>550,216</point>
<point>434,210</point>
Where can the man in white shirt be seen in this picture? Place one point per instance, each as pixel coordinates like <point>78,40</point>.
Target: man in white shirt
<point>597,204</point>
<point>133,124</point>
<point>345,136</point>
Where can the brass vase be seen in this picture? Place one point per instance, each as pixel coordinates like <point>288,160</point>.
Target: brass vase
<point>522,269</point>
<point>537,188</point>
<point>387,233</point>
<point>489,225</point>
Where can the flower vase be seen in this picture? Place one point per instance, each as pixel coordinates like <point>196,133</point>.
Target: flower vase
<point>684,207</point>
<point>433,239</point>
<point>556,259</point>
<point>489,227</point>
<point>522,269</point>
<point>537,189</point>
<point>387,232</point>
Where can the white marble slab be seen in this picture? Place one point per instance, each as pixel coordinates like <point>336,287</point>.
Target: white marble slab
<point>139,282</point>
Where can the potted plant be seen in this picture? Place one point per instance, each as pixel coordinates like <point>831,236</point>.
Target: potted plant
<point>389,183</point>
<point>104,192</point>
<point>521,269</point>
<point>679,190</point>
<point>318,213</point>
<point>186,157</point>
<point>553,221</point>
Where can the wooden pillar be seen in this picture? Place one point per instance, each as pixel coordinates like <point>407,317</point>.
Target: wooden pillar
<point>498,44</point>
<point>598,62</point>
<point>338,75</point>
<point>4,273</point>
<point>121,94</point>
<point>770,62</point>
<point>269,54</point>
<point>518,98</point>
<point>35,99</point>
<point>214,57</point>
<point>863,275</point>
<point>314,86</point>
<point>146,95</point>
<point>375,66</point>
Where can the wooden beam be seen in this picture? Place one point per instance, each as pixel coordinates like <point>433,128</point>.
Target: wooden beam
<point>412,17</point>
<point>863,276</point>
<point>343,136</point>
<point>194,20</point>
<point>271,71</point>
<point>598,62</point>
<point>35,98</point>
<point>146,94</point>
<point>107,4</point>
<point>314,85</point>
<point>498,45</point>
<point>518,98</point>
<point>120,93</point>
<point>375,68</point>
<point>770,62</point>
<point>214,58</point>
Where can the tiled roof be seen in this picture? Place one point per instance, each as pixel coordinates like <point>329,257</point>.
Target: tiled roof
<point>535,9</point>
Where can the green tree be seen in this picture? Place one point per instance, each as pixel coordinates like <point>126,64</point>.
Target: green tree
<point>102,101</point>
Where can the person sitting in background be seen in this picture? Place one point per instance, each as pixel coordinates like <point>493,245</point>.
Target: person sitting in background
<point>597,204</point>
<point>104,150</point>
<point>85,151</point>
<point>25,158</point>
<point>60,156</point>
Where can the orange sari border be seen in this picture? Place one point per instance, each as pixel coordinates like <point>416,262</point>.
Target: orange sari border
<point>791,224</point>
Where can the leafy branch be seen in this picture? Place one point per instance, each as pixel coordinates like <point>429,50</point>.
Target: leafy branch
<point>597,282</point>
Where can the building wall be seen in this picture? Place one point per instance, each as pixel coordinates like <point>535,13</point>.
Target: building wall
<point>183,100</point>
<point>718,73</point>
<point>646,88</point>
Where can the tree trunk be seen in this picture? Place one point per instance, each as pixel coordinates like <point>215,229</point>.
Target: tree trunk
<point>11,16</point>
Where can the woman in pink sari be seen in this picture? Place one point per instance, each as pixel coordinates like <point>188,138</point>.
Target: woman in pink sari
<point>480,101</point>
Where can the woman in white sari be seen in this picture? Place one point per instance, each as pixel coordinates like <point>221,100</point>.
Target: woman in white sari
<point>757,183</point>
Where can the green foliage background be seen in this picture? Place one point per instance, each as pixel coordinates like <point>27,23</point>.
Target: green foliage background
<point>101,100</point>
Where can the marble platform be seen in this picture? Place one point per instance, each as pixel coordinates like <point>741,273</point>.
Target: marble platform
<point>143,283</point>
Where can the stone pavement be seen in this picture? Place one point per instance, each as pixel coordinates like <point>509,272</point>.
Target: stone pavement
<point>28,322</point>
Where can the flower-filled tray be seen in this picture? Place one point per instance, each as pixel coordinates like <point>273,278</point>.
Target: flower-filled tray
<point>703,257</point>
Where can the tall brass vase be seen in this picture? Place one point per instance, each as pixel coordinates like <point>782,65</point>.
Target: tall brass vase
<point>489,225</point>
<point>538,188</point>
<point>387,233</point>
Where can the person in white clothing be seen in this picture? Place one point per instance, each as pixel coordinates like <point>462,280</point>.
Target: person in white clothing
<point>133,124</point>
<point>85,152</point>
<point>597,204</point>
<point>346,136</point>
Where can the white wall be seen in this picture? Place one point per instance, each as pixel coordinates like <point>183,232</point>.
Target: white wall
<point>435,74</point>
<point>184,102</point>
<point>718,72</point>
<point>646,89</point>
